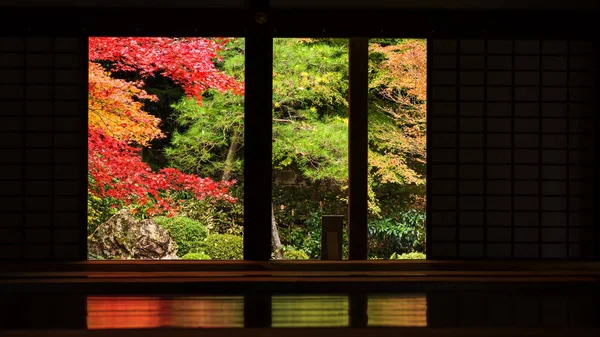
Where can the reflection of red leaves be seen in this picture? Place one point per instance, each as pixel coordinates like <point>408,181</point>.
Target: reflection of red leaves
<point>187,61</point>
<point>119,172</point>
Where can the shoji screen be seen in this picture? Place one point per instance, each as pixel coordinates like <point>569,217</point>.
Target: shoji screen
<point>510,148</point>
<point>42,147</point>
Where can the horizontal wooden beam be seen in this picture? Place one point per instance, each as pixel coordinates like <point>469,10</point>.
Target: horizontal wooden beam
<point>306,22</point>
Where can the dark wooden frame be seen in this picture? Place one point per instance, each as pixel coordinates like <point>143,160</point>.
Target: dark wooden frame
<point>259,25</point>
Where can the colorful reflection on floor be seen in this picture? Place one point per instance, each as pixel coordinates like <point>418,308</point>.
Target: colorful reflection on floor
<point>559,308</point>
<point>145,312</point>
<point>309,311</point>
<point>160,312</point>
<point>407,310</point>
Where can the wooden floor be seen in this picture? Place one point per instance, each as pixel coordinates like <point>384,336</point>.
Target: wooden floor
<point>311,274</point>
<point>300,298</point>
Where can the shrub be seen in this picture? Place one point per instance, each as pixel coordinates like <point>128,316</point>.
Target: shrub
<point>187,233</point>
<point>408,256</point>
<point>307,236</point>
<point>294,254</point>
<point>224,247</point>
<point>219,216</point>
<point>402,233</point>
<point>195,256</point>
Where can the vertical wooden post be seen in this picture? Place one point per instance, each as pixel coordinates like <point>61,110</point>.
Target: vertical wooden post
<point>591,148</point>
<point>83,156</point>
<point>357,147</point>
<point>258,135</point>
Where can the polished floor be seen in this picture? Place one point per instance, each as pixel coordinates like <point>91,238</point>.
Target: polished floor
<point>549,313</point>
<point>467,300</point>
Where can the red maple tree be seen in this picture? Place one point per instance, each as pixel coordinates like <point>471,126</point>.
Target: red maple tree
<point>115,167</point>
<point>118,171</point>
<point>189,62</point>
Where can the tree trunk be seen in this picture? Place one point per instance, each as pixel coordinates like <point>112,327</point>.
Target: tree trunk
<point>275,241</point>
<point>230,159</point>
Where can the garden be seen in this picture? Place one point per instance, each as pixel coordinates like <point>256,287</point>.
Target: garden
<point>166,147</point>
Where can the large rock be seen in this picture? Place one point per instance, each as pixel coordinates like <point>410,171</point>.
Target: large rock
<point>124,237</point>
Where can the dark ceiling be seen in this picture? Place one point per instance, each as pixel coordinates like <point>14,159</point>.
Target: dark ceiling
<point>331,4</point>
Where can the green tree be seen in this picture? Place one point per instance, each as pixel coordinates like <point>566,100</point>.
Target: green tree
<point>209,137</point>
<point>310,130</point>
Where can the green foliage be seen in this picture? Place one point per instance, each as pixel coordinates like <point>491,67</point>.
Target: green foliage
<point>311,238</point>
<point>310,78</point>
<point>195,256</point>
<point>219,216</point>
<point>306,236</point>
<point>187,233</point>
<point>387,41</point>
<point>203,141</point>
<point>209,141</point>
<point>294,254</point>
<point>391,150</point>
<point>318,150</point>
<point>233,59</point>
<point>205,133</point>
<point>403,233</point>
<point>224,247</point>
<point>310,133</point>
<point>408,256</point>
<point>310,148</point>
<point>310,128</point>
<point>99,210</point>
<point>310,109</point>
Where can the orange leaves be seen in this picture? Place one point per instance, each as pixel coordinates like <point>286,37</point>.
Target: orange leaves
<point>114,106</point>
<point>398,154</point>
<point>403,80</point>
<point>405,68</point>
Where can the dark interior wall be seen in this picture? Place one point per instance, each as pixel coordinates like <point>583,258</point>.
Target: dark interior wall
<point>510,146</point>
<point>42,147</point>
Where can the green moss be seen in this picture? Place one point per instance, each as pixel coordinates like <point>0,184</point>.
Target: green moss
<point>408,256</point>
<point>224,247</point>
<point>294,254</point>
<point>195,256</point>
<point>187,233</point>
